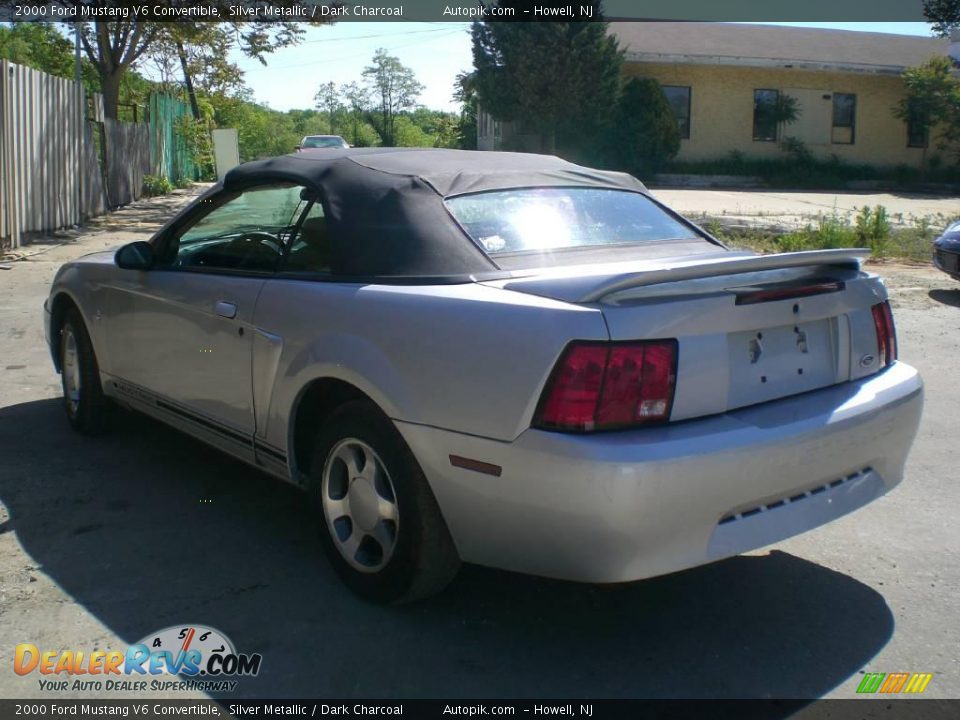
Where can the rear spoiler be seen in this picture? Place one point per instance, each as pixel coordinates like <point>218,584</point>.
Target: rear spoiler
<point>591,283</point>
<point>715,267</point>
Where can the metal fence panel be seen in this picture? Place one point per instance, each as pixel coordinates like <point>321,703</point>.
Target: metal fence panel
<point>94,195</point>
<point>128,160</point>
<point>51,175</point>
<point>169,154</point>
<point>40,149</point>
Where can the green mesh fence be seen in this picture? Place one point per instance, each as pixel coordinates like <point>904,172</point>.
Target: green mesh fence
<point>169,155</point>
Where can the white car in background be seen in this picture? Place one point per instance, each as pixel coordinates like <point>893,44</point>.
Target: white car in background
<point>496,358</point>
<point>315,142</point>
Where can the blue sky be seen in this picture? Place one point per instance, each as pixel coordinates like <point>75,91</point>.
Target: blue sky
<point>435,51</point>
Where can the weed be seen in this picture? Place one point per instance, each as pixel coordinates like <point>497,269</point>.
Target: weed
<point>873,229</point>
<point>156,185</point>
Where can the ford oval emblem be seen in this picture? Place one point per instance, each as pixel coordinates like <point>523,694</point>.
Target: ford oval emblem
<point>867,360</point>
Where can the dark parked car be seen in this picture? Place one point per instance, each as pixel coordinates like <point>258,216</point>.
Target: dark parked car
<point>946,251</point>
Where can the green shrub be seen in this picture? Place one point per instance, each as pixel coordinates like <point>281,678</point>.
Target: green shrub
<point>830,233</point>
<point>156,185</point>
<point>873,229</point>
<point>199,144</point>
<point>644,134</point>
<point>797,150</point>
<point>796,241</point>
<point>832,172</point>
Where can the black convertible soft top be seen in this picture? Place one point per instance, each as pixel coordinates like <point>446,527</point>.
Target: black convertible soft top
<point>384,206</point>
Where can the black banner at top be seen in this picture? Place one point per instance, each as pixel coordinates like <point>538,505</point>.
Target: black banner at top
<point>460,10</point>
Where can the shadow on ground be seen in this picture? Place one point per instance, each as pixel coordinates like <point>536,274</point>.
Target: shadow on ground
<point>121,524</point>
<point>946,297</point>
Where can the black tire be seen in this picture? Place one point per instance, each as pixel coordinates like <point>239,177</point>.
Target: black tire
<point>88,410</point>
<point>424,559</point>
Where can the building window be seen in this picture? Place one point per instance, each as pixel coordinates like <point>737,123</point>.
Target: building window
<point>765,104</point>
<point>679,98</point>
<point>844,119</point>
<point>918,128</point>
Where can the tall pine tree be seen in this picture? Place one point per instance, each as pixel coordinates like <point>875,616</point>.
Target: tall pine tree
<point>560,80</point>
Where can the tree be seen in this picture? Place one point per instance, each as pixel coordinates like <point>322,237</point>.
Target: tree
<point>561,79</point>
<point>932,101</point>
<point>328,101</point>
<point>37,45</point>
<point>114,47</point>
<point>394,88</point>
<point>465,93</point>
<point>645,132</point>
<point>944,15</point>
<point>43,47</point>
<point>357,99</point>
<point>198,53</point>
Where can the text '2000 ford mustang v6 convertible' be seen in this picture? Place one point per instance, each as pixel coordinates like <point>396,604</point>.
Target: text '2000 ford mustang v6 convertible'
<point>497,358</point>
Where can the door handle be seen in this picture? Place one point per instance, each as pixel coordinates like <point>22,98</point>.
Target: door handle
<point>225,309</point>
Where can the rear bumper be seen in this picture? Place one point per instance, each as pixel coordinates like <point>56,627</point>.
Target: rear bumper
<point>622,506</point>
<point>948,262</point>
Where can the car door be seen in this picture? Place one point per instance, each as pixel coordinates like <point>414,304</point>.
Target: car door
<point>182,331</point>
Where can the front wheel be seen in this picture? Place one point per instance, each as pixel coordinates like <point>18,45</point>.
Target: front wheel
<point>382,529</point>
<point>88,410</point>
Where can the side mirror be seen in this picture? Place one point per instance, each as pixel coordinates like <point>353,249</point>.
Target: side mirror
<point>296,148</point>
<point>137,255</point>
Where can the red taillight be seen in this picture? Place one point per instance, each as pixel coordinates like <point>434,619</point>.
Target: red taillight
<point>600,386</point>
<point>571,399</point>
<point>886,333</point>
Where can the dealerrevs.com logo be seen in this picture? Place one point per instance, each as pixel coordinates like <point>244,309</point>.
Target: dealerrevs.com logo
<point>204,659</point>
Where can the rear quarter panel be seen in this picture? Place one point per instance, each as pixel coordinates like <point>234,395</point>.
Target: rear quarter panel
<point>466,358</point>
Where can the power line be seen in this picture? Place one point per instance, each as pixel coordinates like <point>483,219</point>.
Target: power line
<point>379,35</point>
<point>349,57</point>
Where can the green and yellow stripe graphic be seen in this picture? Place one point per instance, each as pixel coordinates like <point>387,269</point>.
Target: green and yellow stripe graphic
<point>892,683</point>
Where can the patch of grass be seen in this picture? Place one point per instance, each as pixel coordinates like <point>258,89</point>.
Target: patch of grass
<point>830,232</point>
<point>871,228</point>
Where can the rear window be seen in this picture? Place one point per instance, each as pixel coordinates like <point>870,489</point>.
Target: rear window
<point>323,142</point>
<point>538,220</point>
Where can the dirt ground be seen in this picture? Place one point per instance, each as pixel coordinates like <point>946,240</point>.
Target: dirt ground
<point>105,540</point>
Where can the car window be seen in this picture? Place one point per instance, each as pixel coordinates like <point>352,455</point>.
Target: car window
<point>323,142</point>
<point>245,233</point>
<point>547,219</point>
<point>310,248</point>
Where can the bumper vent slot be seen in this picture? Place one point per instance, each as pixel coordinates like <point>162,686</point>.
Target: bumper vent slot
<point>798,497</point>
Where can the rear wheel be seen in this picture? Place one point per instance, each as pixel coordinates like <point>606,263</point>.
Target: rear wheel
<point>382,528</point>
<point>88,410</point>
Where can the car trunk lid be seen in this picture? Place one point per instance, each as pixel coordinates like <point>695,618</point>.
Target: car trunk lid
<point>750,328</point>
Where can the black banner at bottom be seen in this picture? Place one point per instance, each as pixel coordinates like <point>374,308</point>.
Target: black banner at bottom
<point>859,709</point>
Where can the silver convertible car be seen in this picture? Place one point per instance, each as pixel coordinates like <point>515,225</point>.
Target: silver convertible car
<point>496,358</point>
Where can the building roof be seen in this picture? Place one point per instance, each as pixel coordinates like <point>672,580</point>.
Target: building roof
<point>774,46</point>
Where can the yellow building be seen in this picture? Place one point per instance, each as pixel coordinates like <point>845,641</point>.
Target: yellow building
<point>719,77</point>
